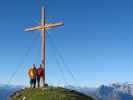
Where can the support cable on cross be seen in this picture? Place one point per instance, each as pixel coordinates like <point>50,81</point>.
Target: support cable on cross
<point>59,57</point>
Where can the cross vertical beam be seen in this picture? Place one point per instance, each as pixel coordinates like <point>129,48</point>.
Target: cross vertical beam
<point>43,40</point>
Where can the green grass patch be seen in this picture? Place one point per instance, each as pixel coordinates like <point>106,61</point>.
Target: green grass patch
<point>50,93</point>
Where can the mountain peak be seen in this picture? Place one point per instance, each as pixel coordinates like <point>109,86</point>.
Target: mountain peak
<point>50,93</point>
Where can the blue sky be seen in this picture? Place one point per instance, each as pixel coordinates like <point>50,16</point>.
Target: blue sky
<point>96,41</point>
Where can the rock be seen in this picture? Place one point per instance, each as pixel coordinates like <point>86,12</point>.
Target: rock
<point>24,98</point>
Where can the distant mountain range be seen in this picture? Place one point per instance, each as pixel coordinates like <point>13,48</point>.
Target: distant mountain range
<point>116,91</point>
<point>7,90</point>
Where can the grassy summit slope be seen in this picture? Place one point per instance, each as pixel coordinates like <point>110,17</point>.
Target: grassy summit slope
<point>50,94</point>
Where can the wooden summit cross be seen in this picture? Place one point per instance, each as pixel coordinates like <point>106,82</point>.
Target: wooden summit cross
<point>42,27</point>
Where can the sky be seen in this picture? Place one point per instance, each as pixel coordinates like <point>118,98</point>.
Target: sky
<point>94,47</point>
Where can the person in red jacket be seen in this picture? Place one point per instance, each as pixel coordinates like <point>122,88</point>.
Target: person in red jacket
<point>40,75</point>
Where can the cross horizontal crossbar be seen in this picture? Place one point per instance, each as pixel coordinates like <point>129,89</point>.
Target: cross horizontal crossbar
<point>47,26</point>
